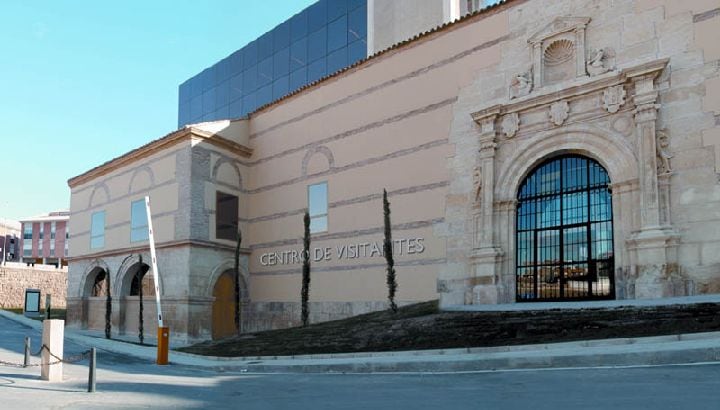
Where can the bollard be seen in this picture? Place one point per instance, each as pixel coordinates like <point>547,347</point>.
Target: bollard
<point>53,338</point>
<point>26,363</point>
<point>163,345</point>
<point>91,373</point>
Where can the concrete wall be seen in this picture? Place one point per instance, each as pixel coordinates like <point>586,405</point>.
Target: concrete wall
<point>393,21</point>
<point>14,280</point>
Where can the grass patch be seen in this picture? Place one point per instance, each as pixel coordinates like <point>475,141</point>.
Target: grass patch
<point>423,326</point>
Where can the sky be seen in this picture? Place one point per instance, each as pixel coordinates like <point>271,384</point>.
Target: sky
<point>82,82</point>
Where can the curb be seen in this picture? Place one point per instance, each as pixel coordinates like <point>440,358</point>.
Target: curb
<point>644,351</point>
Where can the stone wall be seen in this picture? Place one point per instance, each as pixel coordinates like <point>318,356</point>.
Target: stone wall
<point>15,279</point>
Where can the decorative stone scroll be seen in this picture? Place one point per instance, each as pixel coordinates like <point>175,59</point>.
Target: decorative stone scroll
<point>510,124</point>
<point>614,98</point>
<point>559,112</point>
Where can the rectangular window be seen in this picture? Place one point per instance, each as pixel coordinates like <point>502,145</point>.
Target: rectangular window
<point>97,230</point>
<point>318,207</point>
<point>27,240</point>
<point>40,241</point>
<point>226,216</point>
<point>52,238</point>
<point>138,221</point>
<point>67,239</point>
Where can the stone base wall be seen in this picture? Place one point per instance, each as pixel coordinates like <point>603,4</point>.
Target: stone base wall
<point>260,316</point>
<point>14,280</point>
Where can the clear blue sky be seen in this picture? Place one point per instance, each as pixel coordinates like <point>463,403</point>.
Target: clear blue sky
<point>82,82</point>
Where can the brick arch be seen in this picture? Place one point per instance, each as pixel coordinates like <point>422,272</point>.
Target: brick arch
<point>145,170</point>
<point>91,270</point>
<point>225,162</point>
<point>127,271</point>
<point>224,266</point>
<point>318,150</point>
<point>99,191</point>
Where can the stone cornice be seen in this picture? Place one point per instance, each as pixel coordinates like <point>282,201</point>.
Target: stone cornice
<point>547,95</point>
<point>176,137</point>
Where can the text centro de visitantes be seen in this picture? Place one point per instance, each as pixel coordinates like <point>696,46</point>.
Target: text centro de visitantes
<point>401,247</point>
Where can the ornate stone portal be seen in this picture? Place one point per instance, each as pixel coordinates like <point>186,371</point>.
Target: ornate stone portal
<point>639,165</point>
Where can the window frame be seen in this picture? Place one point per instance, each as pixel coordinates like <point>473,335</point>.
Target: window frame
<point>319,215</point>
<point>143,225</point>
<point>236,225</point>
<point>100,237</point>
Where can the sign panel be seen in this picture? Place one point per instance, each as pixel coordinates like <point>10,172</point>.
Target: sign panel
<point>32,302</point>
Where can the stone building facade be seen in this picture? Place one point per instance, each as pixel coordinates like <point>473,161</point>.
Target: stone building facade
<point>532,151</point>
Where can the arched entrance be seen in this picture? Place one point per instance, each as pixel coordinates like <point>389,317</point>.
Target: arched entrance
<point>223,308</point>
<point>564,232</point>
<point>95,299</point>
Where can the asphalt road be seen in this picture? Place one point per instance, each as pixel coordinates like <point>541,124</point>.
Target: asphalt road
<point>132,383</point>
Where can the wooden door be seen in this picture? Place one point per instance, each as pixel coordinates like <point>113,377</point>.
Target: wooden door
<point>223,311</point>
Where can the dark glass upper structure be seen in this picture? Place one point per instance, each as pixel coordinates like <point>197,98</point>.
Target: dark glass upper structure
<point>565,232</point>
<point>320,40</point>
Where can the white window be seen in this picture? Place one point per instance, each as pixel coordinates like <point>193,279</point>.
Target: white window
<point>97,230</point>
<point>27,239</point>
<point>138,221</point>
<point>53,228</point>
<point>318,207</point>
<point>41,238</point>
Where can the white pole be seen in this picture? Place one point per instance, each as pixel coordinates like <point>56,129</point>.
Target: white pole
<point>153,257</point>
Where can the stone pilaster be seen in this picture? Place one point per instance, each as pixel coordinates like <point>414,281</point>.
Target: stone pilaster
<point>655,244</point>
<point>486,256</point>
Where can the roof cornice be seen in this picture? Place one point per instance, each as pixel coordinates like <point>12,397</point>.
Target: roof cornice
<point>176,137</point>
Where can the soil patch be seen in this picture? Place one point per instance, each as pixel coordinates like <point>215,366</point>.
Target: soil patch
<point>423,326</point>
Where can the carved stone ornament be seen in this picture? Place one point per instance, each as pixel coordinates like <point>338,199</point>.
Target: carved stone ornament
<point>521,85</point>
<point>559,112</point>
<point>477,182</point>
<point>614,98</point>
<point>597,63</point>
<point>510,124</point>
<point>663,152</point>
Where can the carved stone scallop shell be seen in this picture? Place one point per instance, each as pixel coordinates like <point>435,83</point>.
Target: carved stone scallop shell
<point>559,52</point>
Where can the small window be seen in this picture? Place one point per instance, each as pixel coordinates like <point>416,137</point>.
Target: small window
<point>226,216</point>
<point>318,207</point>
<point>138,221</point>
<point>97,230</point>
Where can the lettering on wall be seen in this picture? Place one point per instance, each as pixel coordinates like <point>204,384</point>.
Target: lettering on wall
<point>411,246</point>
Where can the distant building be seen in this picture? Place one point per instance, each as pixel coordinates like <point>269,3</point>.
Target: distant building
<point>9,240</point>
<point>44,238</point>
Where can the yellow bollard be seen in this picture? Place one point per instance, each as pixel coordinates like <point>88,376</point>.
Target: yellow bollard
<point>162,346</point>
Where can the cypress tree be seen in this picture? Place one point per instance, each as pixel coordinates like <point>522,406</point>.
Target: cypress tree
<point>108,307</point>
<point>388,252</point>
<point>305,270</point>
<point>237,281</point>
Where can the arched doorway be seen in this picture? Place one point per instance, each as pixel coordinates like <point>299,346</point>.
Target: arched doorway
<point>95,299</point>
<point>564,232</point>
<point>223,308</point>
<point>137,297</point>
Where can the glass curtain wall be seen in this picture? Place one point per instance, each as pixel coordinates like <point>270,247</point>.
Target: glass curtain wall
<point>320,40</point>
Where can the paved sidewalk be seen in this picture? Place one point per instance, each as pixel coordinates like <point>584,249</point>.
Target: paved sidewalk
<point>659,350</point>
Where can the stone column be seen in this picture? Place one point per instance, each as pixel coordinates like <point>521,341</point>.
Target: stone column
<point>486,257</point>
<point>655,244</point>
